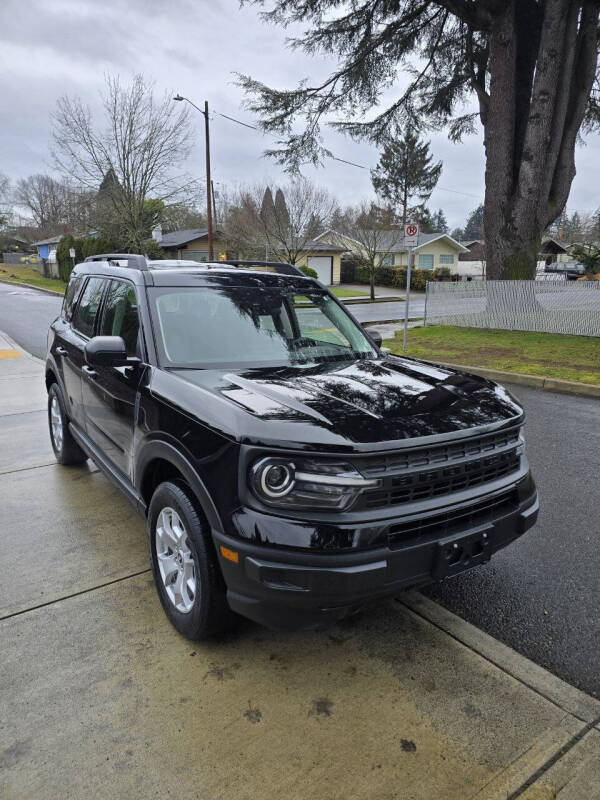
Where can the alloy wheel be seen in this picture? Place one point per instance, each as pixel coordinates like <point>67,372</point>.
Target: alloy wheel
<point>175,560</point>
<point>56,423</point>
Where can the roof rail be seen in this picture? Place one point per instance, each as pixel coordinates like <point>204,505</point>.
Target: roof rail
<point>133,261</point>
<point>277,266</point>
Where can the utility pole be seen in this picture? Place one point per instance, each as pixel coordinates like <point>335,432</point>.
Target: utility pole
<point>209,204</point>
<point>211,250</point>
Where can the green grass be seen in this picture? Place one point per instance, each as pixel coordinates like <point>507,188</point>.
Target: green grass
<point>18,274</point>
<point>339,291</point>
<point>549,355</point>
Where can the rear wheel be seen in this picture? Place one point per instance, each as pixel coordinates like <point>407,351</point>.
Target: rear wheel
<point>66,449</point>
<point>185,568</point>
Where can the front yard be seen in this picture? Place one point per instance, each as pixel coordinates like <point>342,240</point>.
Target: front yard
<point>14,273</point>
<point>570,358</point>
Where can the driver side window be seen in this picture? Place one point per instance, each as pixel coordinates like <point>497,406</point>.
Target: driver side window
<point>120,316</point>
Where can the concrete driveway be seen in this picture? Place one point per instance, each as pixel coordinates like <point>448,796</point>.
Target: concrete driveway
<point>100,697</point>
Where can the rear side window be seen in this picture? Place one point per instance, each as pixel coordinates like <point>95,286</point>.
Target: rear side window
<point>120,315</point>
<point>71,296</point>
<point>87,308</point>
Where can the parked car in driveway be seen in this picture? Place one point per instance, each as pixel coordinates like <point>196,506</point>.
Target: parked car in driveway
<point>289,470</point>
<point>572,269</point>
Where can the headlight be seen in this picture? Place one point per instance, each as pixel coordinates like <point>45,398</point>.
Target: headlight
<point>307,483</point>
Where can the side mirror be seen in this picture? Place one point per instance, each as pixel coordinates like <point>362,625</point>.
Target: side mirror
<point>106,351</point>
<point>376,337</point>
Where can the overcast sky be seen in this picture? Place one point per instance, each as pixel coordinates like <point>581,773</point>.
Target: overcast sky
<point>54,47</point>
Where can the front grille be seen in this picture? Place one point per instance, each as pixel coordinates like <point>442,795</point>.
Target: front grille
<point>436,471</point>
<point>449,522</point>
<point>438,454</point>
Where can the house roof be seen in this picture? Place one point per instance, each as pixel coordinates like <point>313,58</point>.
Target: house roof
<point>394,242</point>
<point>552,246</point>
<point>179,238</point>
<point>322,247</point>
<point>51,240</point>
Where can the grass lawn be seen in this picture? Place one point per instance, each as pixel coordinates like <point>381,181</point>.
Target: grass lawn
<point>339,291</point>
<point>30,275</point>
<point>550,355</point>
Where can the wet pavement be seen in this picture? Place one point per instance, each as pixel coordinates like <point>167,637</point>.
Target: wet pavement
<point>101,697</point>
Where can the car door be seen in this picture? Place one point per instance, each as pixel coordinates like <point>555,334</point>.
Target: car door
<point>73,331</point>
<point>109,393</point>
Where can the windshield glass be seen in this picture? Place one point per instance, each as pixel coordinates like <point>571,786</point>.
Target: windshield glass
<point>252,326</point>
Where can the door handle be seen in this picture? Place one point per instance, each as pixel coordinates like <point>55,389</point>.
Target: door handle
<point>62,351</point>
<point>91,373</point>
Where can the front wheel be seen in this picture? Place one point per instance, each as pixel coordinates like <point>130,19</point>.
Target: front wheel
<point>66,449</point>
<point>186,573</point>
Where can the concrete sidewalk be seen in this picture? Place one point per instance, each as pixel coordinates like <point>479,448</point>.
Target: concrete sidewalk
<point>100,697</point>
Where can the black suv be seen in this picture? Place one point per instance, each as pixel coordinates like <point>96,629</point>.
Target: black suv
<point>289,470</point>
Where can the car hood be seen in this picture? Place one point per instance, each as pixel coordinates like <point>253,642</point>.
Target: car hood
<point>365,404</point>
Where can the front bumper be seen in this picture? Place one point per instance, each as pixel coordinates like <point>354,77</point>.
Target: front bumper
<point>289,589</point>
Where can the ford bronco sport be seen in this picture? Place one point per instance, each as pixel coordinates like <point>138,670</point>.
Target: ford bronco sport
<point>289,470</point>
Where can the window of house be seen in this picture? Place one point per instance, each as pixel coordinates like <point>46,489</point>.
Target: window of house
<point>120,315</point>
<point>87,308</point>
<point>388,260</point>
<point>446,258</point>
<point>425,261</point>
<point>195,255</point>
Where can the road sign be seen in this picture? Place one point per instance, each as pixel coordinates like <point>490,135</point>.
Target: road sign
<point>411,235</point>
<point>72,252</point>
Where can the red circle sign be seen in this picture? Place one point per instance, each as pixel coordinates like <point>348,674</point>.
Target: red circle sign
<point>411,230</point>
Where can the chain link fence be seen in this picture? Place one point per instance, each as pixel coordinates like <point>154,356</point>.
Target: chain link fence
<point>571,307</point>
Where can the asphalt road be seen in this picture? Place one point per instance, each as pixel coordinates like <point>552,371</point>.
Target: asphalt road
<point>26,314</point>
<point>386,312</point>
<point>542,594</point>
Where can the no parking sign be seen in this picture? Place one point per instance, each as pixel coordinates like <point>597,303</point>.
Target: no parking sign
<point>411,234</point>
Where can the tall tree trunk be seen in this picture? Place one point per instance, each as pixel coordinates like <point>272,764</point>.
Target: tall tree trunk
<point>542,65</point>
<point>372,271</point>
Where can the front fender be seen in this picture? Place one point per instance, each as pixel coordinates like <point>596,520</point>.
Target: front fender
<point>158,449</point>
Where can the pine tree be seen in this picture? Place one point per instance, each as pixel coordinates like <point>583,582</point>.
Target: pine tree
<point>405,174</point>
<point>440,224</point>
<point>531,67</point>
<point>281,209</point>
<point>267,209</point>
<point>474,227</point>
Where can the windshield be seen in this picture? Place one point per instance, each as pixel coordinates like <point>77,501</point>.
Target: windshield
<point>252,326</point>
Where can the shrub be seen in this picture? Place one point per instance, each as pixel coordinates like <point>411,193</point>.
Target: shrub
<point>309,272</point>
<point>419,278</point>
<point>65,262</point>
<point>153,250</point>
<point>363,274</point>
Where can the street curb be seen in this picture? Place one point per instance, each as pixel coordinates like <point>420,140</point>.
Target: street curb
<point>29,286</point>
<point>562,694</point>
<point>522,379</point>
<point>353,301</point>
<point>20,349</point>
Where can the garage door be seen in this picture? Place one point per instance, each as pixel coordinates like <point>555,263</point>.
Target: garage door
<point>322,266</point>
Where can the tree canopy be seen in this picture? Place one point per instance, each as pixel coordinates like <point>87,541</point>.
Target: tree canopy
<point>530,66</point>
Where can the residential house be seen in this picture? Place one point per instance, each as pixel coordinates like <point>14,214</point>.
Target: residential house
<point>433,250</point>
<point>192,243</point>
<point>552,251</point>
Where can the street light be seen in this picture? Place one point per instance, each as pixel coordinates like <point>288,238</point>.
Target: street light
<point>211,252</point>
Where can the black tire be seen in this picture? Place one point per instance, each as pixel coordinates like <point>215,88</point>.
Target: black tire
<point>66,449</point>
<point>210,613</point>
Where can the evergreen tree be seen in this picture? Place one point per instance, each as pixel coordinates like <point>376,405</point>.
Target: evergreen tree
<point>281,209</point>
<point>267,209</point>
<point>440,224</point>
<point>531,67</point>
<point>474,227</point>
<point>405,174</point>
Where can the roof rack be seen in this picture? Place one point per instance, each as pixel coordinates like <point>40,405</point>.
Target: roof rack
<point>278,266</point>
<point>133,261</point>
